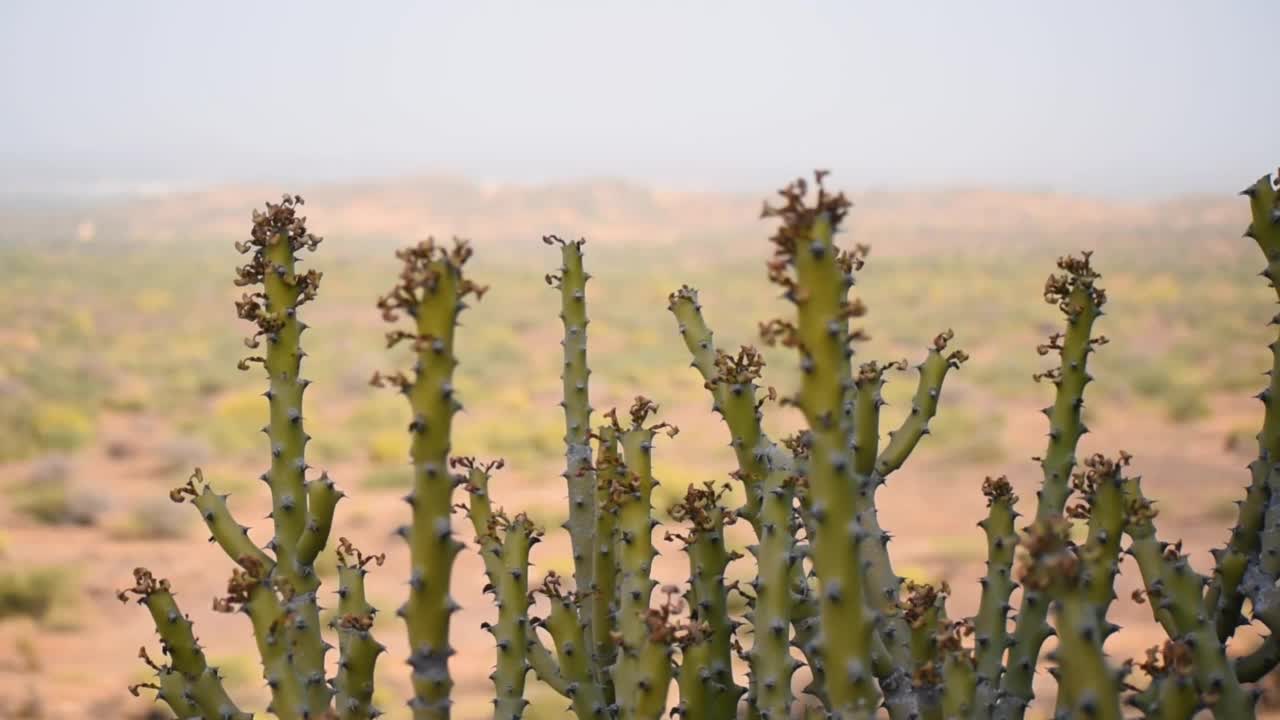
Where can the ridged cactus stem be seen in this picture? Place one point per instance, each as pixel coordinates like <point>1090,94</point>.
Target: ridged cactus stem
<point>655,663</point>
<point>990,625</point>
<point>1101,485</point>
<point>604,596</point>
<point>882,583</point>
<point>431,291</point>
<point>872,468</point>
<point>923,613</point>
<point>819,289</point>
<point>924,404</point>
<point>285,431</point>
<point>633,679</point>
<point>200,685</point>
<point>512,630</point>
<point>301,531</point>
<point>708,596</point>
<point>358,650</point>
<point>1252,666</point>
<point>1087,685</point>
<point>170,688</point>
<point>1224,595</point>
<point>1171,694</point>
<point>959,672</point>
<point>571,281</point>
<point>696,694</point>
<point>230,535</point>
<point>731,380</point>
<point>504,547</point>
<point>1077,295</point>
<point>251,594</point>
<point>1176,594</point>
<point>771,663</point>
<point>544,665</point>
<point>573,650</point>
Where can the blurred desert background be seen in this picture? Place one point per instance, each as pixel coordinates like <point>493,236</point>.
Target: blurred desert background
<point>118,377</point>
<point>979,142</point>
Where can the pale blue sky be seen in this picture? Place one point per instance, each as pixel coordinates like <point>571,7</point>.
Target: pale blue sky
<point>1131,97</point>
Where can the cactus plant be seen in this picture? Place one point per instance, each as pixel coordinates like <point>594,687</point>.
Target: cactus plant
<point>822,585</point>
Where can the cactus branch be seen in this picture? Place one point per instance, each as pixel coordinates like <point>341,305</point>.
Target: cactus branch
<point>201,685</point>
<point>708,597</point>
<point>816,277</point>
<point>1175,593</point>
<point>432,291</point>
<point>990,626</point>
<point>571,281</point>
<point>572,649</point>
<point>358,651</point>
<point>1076,294</point>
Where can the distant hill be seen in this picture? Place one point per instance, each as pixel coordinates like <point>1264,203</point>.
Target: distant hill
<point>619,213</point>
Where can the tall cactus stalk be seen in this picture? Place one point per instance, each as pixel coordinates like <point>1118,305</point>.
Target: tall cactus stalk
<point>504,544</point>
<point>571,281</point>
<point>431,292</point>
<point>358,650</point>
<point>816,277</point>
<point>276,587</point>
<point>990,626</point>
<point>708,597</point>
<point>641,673</point>
<point>1088,687</point>
<point>1076,294</point>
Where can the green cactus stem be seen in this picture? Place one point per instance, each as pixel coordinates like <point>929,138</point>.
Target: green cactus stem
<point>358,651</point>
<point>1088,686</point>
<point>170,688</point>
<point>504,547</point>
<point>1253,666</point>
<point>604,597</point>
<point>771,663</point>
<point>708,596</point>
<point>271,588</point>
<point>655,664</point>
<point>816,276</point>
<point>922,610</point>
<point>1171,693</point>
<point>277,236</point>
<point>697,696</point>
<point>545,667</point>
<point>924,404</point>
<point>872,469</point>
<point>573,651</point>
<point>1100,485</point>
<point>1075,292</point>
<point>1176,594</point>
<point>250,591</point>
<point>732,382</point>
<point>432,291</point>
<point>990,625</point>
<point>571,281</point>
<point>637,674</point>
<point>230,535</point>
<point>1246,537</point>
<point>198,684</point>
<point>959,669</point>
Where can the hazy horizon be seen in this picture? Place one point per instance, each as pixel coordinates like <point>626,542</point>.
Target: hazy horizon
<point>1138,99</point>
